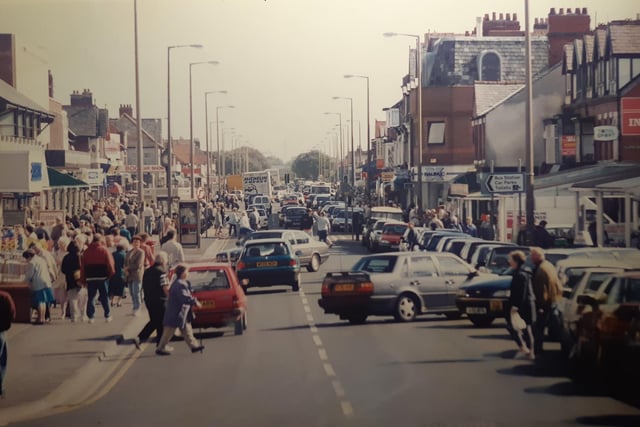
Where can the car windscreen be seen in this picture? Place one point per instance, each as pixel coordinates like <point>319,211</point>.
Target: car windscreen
<point>295,212</point>
<point>208,280</point>
<point>265,249</point>
<point>394,229</point>
<point>266,235</point>
<point>378,264</point>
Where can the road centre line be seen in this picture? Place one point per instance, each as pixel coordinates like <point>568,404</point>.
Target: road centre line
<point>323,354</point>
<point>307,309</point>
<point>337,387</point>
<point>347,409</point>
<point>317,340</point>
<point>309,317</point>
<point>328,369</point>
<point>314,329</point>
<point>305,301</point>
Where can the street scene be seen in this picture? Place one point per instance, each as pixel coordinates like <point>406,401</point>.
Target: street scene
<point>202,227</point>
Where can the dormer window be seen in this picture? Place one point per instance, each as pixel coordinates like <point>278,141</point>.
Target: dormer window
<point>489,67</point>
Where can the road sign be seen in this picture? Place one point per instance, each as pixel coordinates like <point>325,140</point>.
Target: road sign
<point>503,183</point>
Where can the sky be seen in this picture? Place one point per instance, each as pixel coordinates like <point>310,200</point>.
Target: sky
<point>280,61</point>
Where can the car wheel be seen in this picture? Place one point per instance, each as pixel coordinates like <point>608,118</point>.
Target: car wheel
<point>481,321</point>
<point>237,327</point>
<point>407,307</point>
<point>453,315</point>
<point>357,318</point>
<point>314,264</point>
<point>296,285</point>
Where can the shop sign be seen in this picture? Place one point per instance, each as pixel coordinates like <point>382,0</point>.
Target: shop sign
<point>36,171</point>
<point>605,133</point>
<point>630,116</point>
<point>49,217</point>
<point>388,176</point>
<point>568,145</point>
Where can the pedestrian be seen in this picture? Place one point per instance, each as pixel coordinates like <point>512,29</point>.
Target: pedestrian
<point>156,289</point>
<point>542,238</point>
<point>179,313</point>
<point>307,222</point>
<point>412,237</point>
<point>323,225</point>
<point>131,222</point>
<point>233,222</point>
<point>486,230</point>
<point>70,268</point>
<point>97,267</point>
<point>147,217</point>
<point>454,224</point>
<point>39,281</point>
<point>118,280</point>
<point>357,221</point>
<point>522,302</point>
<point>548,292</point>
<point>147,245</point>
<point>7,316</point>
<point>173,250</point>
<point>134,269</point>
<point>60,282</point>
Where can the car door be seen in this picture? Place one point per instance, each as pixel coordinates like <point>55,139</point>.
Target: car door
<point>455,273</point>
<point>302,240</point>
<point>431,287</point>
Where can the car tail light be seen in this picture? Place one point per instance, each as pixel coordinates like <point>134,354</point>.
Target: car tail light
<point>240,265</point>
<point>325,289</point>
<point>293,263</point>
<point>365,288</point>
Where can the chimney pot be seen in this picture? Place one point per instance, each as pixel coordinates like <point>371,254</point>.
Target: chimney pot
<point>501,17</point>
<point>535,22</point>
<point>493,16</point>
<point>568,11</point>
<point>508,17</point>
<point>584,11</point>
<point>578,12</point>
<point>486,16</point>
<point>561,11</point>
<point>552,11</point>
<point>515,16</point>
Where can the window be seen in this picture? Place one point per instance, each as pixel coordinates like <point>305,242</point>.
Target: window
<point>453,266</point>
<point>490,67</point>
<point>423,266</point>
<point>436,132</point>
<point>624,71</point>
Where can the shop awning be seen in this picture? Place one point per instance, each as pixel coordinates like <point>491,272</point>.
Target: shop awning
<point>58,179</point>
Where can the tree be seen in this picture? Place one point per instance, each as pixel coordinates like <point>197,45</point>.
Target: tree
<point>307,165</point>
<point>257,161</point>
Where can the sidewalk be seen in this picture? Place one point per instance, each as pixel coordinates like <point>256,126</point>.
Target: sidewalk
<point>63,364</point>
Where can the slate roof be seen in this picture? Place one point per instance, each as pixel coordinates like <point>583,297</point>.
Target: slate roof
<point>17,99</point>
<point>567,61</point>
<point>577,53</point>
<point>87,121</point>
<point>625,38</point>
<point>490,94</point>
<point>453,60</point>
<point>600,43</point>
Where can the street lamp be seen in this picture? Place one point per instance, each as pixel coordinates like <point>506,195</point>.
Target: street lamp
<point>206,121</point>
<point>340,171</point>
<point>138,118</point>
<point>353,159</point>
<point>191,159</point>
<point>419,73</point>
<point>220,162</point>
<point>169,147</point>
<point>368,183</point>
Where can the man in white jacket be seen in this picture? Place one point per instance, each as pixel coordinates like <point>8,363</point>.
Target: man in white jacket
<point>173,248</point>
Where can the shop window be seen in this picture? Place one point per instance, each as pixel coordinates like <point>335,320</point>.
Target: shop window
<point>435,132</point>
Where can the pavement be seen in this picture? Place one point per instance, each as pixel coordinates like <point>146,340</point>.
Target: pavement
<point>63,365</point>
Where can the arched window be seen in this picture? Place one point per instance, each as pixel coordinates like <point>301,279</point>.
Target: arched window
<point>490,67</point>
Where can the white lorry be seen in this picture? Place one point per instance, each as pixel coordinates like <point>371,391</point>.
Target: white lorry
<point>256,183</point>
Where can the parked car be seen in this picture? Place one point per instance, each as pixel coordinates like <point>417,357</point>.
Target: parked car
<point>434,238</point>
<point>223,301</point>
<point>456,244</point>
<point>608,333</point>
<point>376,233</point>
<point>486,300</point>
<point>443,242</point>
<point>343,219</point>
<point>268,262</point>
<point>391,235</point>
<point>399,284</point>
<point>496,260</point>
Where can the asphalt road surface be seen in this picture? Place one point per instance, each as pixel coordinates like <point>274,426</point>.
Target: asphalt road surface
<point>296,366</point>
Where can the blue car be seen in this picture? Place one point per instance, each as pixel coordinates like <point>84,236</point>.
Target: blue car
<point>486,300</point>
<point>268,262</point>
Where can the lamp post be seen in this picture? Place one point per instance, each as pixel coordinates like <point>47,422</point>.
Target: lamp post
<point>138,118</point>
<point>169,145</point>
<point>220,162</point>
<point>191,159</point>
<point>340,171</point>
<point>206,121</point>
<point>353,159</point>
<point>419,74</point>
<point>530,201</point>
<point>368,183</point>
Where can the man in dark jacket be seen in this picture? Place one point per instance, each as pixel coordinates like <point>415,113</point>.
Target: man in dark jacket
<point>7,315</point>
<point>307,222</point>
<point>155,286</point>
<point>97,267</point>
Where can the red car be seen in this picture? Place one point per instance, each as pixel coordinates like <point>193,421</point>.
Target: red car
<point>608,333</point>
<point>392,233</point>
<point>224,303</point>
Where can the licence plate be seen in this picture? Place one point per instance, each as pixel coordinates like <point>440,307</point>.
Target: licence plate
<point>208,303</point>
<point>495,305</point>
<point>476,310</point>
<point>266,263</point>
<point>344,287</point>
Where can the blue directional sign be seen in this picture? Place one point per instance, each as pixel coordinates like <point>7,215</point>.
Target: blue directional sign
<point>503,183</point>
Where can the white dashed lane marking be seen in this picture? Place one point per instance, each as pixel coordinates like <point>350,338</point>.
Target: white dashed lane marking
<point>345,405</point>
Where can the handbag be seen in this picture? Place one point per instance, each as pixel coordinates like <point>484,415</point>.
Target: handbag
<point>517,322</point>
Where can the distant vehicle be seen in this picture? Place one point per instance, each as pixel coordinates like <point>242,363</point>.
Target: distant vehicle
<point>391,235</point>
<point>320,188</point>
<point>223,301</point>
<point>386,212</point>
<point>485,300</point>
<point>343,219</point>
<point>268,262</point>
<point>399,284</point>
<point>293,217</point>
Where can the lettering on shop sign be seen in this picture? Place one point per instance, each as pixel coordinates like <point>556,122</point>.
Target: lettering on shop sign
<point>504,183</point>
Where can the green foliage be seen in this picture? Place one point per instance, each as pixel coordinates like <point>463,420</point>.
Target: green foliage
<point>307,165</point>
<point>257,161</point>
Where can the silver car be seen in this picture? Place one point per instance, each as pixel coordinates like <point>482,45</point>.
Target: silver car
<point>313,252</point>
<point>402,285</point>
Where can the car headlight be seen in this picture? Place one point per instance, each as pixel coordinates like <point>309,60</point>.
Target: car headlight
<point>462,293</point>
<point>504,293</point>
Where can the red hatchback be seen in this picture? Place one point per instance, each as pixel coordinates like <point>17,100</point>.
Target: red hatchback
<point>223,300</point>
<point>392,233</point>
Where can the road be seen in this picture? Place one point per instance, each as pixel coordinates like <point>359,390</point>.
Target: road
<point>296,366</point>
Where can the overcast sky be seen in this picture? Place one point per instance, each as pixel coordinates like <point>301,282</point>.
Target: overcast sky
<point>281,61</point>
